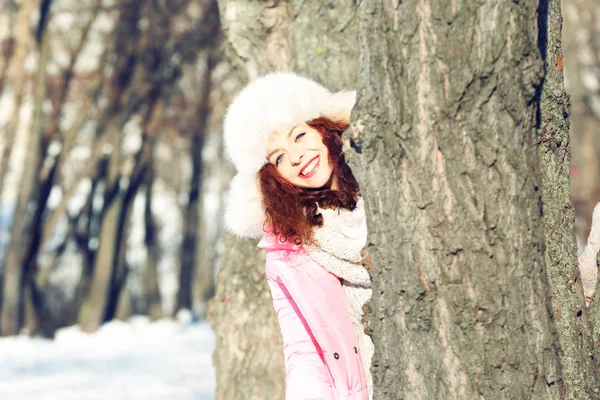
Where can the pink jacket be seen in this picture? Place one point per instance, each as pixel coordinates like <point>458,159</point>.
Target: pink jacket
<point>322,360</point>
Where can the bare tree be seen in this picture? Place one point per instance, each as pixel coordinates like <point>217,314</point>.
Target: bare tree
<point>152,291</point>
<point>193,242</point>
<point>18,268</point>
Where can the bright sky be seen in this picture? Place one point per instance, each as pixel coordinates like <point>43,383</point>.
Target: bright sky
<point>137,360</point>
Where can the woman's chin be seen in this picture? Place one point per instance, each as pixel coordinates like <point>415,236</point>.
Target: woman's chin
<point>313,183</point>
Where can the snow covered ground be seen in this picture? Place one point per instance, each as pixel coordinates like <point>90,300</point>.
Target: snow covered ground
<point>164,360</point>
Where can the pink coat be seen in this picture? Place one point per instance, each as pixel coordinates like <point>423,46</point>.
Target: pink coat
<point>322,360</point>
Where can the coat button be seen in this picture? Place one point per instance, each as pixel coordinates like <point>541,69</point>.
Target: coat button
<point>336,356</point>
<point>356,350</point>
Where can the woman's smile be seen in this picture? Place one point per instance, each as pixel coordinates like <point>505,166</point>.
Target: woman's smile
<point>310,168</point>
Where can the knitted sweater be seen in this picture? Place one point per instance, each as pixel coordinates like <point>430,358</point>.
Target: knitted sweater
<point>338,249</point>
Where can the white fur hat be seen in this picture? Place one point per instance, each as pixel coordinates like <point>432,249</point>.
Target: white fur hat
<point>269,104</point>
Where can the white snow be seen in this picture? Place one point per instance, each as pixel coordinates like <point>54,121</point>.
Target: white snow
<point>132,360</point>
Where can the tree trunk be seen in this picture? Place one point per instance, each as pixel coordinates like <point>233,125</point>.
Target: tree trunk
<point>123,308</point>
<point>99,302</point>
<point>199,102</point>
<point>202,286</point>
<point>445,146</point>
<point>191,245</point>
<point>248,350</point>
<point>93,309</point>
<point>21,44</point>
<point>204,277</point>
<point>152,291</point>
<point>16,274</point>
<point>119,294</point>
<point>575,337</point>
<point>263,37</point>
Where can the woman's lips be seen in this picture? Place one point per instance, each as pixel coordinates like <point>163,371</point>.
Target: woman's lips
<point>313,170</point>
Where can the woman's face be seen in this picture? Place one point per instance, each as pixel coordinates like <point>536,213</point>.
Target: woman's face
<point>300,157</point>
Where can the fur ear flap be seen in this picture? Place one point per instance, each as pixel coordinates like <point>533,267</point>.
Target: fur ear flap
<point>244,213</point>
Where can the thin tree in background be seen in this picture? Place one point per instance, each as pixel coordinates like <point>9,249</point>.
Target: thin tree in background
<point>192,244</point>
<point>152,291</point>
<point>15,52</point>
<point>217,173</point>
<point>17,281</point>
<point>94,308</point>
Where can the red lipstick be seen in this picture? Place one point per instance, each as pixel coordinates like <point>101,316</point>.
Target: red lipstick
<point>314,170</point>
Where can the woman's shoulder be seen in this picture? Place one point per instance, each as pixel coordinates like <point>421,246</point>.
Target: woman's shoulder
<point>281,254</point>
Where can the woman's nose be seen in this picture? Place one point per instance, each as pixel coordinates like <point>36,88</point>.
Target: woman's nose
<point>296,156</point>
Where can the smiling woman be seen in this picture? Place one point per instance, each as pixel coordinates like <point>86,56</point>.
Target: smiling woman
<point>294,188</point>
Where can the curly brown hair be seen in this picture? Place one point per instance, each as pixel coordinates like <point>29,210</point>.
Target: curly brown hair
<point>291,212</point>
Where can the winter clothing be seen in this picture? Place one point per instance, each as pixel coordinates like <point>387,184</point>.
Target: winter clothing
<point>269,104</point>
<point>321,353</point>
<point>319,290</point>
<point>339,244</point>
<point>587,258</point>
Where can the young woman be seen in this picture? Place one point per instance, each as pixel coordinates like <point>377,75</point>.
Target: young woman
<point>294,189</point>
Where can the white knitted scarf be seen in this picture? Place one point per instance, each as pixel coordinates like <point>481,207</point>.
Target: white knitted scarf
<point>338,248</point>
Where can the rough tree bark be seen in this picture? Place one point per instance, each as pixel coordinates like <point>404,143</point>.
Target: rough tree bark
<point>575,335</point>
<point>445,145</point>
<point>263,37</point>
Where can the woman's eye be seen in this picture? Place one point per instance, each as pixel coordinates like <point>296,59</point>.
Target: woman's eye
<point>300,135</point>
<point>278,159</point>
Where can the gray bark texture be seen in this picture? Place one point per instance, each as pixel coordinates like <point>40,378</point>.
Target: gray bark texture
<point>248,356</point>
<point>576,342</point>
<point>317,39</point>
<point>445,144</point>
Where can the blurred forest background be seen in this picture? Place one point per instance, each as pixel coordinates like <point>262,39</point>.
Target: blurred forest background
<point>111,168</point>
<point>112,174</point>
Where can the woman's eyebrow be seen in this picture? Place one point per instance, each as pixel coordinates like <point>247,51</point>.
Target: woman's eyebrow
<point>276,150</point>
<point>271,153</point>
